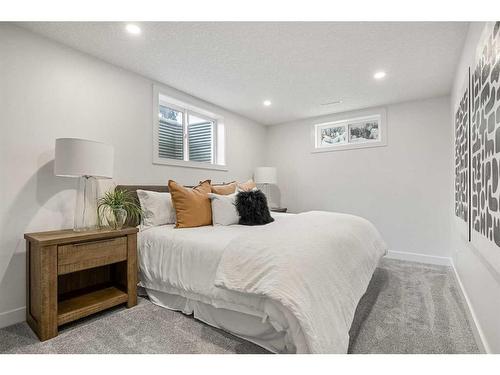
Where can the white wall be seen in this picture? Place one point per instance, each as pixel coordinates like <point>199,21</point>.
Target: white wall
<point>403,188</point>
<point>49,91</point>
<point>478,267</point>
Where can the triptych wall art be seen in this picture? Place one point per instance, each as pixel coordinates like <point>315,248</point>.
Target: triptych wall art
<point>477,143</point>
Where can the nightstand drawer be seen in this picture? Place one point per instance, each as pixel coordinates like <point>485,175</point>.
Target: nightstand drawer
<point>80,256</point>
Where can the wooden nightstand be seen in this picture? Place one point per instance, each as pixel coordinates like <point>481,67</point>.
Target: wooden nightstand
<point>70,275</point>
<point>278,209</point>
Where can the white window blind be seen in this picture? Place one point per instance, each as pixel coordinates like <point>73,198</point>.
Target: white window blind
<point>170,134</point>
<point>200,139</point>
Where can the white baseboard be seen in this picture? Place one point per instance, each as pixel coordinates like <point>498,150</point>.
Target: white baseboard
<point>11,317</point>
<point>421,258</point>
<point>476,328</point>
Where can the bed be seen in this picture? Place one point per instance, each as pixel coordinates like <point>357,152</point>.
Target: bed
<point>291,286</point>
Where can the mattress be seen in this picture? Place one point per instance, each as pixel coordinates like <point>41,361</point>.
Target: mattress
<point>178,269</point>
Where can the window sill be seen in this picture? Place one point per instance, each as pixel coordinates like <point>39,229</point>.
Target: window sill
<point>190,164</point>
<point>349,146</point>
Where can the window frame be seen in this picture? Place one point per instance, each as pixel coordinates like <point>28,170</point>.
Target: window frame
<point>218,132</point>
<point>344,119</point>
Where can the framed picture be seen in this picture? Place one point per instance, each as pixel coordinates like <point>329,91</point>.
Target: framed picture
<point>364,131</point>
<point>350,133</point>
<point>331,134</point>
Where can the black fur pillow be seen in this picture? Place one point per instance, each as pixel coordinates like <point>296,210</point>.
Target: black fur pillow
<point>252,208</point>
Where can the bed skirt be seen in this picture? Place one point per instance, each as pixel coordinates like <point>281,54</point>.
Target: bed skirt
<point>255,329</point>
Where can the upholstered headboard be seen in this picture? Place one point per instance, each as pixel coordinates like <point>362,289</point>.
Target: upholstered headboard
<point>133,189</point>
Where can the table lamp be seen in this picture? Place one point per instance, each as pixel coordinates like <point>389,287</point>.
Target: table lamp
<point>87,160</point>
<point>266,176</point>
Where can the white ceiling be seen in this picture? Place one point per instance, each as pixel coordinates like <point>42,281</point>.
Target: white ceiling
<point>297,65</point>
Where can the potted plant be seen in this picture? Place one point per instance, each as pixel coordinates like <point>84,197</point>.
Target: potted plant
<point>116,205</point>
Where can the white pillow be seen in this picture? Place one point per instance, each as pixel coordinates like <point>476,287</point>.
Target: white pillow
<point>224,209</point>
<point>158,208</point>
<point>239,190</point>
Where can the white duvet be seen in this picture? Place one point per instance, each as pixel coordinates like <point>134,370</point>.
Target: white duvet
<point>303,273</point>
<point>317,265</point>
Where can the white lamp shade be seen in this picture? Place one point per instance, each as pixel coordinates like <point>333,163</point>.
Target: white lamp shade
<point>81,157</point>
<point>265,175</point>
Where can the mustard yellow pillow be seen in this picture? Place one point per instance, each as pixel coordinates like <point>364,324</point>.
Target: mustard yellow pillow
<point>224,189</point>
<point>247,186</point>
<point>192,205</point>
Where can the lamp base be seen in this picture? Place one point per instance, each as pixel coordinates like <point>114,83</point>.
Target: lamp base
<point>267,192</point>
<point>86,204</point>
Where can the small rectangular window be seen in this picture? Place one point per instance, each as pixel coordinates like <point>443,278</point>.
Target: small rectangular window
<point>350,133</point>
<point>188,136</point>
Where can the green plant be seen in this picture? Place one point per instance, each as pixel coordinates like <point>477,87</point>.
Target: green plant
<point>117,199</point>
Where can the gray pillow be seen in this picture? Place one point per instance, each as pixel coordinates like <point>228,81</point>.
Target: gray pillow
<point>223,209</point>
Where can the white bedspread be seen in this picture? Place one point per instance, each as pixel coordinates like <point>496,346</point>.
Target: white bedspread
<point>184,262</point>
<point>317,265</point>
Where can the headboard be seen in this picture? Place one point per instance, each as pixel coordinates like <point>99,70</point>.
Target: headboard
<point>133,189</point>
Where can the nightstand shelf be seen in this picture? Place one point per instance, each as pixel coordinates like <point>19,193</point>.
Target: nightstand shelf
<point>71,275</point>
<point>89,303</point>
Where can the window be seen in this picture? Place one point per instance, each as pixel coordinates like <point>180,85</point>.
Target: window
<point>200,136</point>
<point>185,135</point>
<point>171,134</point>
<point>358,132</point>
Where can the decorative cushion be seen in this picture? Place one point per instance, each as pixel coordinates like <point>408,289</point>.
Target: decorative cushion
<point>252,208</point>
<point>224,209</point>
<point>192,205</point>
<point>158,208</point>
<point>225,189</point>
<point>247,186</point>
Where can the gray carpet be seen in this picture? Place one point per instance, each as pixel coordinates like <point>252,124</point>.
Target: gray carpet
<point>408,308</point>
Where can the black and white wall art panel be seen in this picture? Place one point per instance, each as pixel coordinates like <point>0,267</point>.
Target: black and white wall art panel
<point>485,137</point>
<point>462,156</point>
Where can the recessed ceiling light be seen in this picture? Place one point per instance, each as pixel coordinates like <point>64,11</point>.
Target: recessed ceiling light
<point>379,75</point>
<point>133,29</point>
<point>267,103</point>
